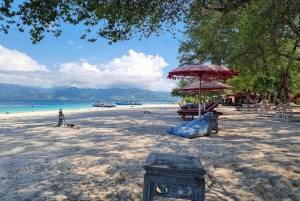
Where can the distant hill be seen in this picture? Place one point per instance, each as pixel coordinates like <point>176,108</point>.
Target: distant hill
<point>11,91</point>
<point>17,92</point>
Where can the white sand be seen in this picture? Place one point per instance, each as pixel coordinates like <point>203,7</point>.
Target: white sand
<point>102,157</point>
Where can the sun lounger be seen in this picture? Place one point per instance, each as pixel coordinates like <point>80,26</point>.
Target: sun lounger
<point>194,106</point>
<point>194,112</point>
<point>211,106</point>
<point>189,105</point>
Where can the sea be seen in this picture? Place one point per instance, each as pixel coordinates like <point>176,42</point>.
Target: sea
<point>21,106</point>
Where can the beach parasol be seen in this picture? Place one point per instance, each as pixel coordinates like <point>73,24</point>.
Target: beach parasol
<point>205,86</point>
<point>201,71</point>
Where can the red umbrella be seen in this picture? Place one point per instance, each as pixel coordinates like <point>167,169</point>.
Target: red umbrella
<point>205,86</point>
<point>207,72</point>
<point>203,71</point>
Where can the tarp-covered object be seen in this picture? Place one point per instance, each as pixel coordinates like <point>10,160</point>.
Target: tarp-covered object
<point>196,128</point>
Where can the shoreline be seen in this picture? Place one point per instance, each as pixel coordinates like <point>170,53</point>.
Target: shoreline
<point>102,157</point>
<point>89,108</point>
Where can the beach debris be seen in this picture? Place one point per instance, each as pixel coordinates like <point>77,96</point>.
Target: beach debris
<point>147,112</point>
<point>70,125</point>
<point>259,191</point>
<point>123,175</point>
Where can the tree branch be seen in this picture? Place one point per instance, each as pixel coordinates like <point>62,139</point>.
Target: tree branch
<point>288,56</point>
<point>224,7</point>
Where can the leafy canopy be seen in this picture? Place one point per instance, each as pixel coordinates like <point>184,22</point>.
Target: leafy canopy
<point>260,39</point>
<point>114,20</point>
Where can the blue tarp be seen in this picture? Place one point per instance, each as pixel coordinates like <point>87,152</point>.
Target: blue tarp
<point>196,128</point>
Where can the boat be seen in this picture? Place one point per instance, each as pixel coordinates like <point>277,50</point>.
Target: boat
<point>129,103</point>
<point>101,103</point>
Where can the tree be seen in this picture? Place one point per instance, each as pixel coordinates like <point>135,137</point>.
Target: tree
<point>261,37</point>
<point>263,82</point>
<point>116,20</point>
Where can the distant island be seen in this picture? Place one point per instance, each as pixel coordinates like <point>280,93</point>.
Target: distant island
<point>17,92</point>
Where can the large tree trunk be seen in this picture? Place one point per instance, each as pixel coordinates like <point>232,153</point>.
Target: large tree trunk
<point>278,96</point>
<point>284,85</point>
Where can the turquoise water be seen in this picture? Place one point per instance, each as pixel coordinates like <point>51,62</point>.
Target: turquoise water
<point>20,106</point>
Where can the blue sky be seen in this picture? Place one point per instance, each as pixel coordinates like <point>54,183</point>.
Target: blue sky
<point>69,61</point>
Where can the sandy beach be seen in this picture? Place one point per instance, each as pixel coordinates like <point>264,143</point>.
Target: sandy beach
<point>102,156</point>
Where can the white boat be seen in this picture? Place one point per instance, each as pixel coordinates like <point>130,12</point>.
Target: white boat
<point>129,103</point>
<point>101,103</point>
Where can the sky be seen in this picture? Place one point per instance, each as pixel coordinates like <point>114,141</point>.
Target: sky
<point>68,61</point>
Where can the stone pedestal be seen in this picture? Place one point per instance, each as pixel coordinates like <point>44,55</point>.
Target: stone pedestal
<point>173,176</point>
<point>214,122</point>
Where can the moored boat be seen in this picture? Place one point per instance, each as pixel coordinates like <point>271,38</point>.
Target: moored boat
<point>101,103</point>
<point>129,103</point>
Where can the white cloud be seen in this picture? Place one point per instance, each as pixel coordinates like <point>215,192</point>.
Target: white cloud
<point>12,60</point>
<point>135,70</point>
<point>70,42</point>
<point>77,68</point>
<point>80,47</point>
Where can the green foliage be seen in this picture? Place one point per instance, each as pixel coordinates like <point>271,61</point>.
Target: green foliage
<point>263,83</point>
<point>114,20</point>
<point>260,40</point>
<point>240,83</point>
